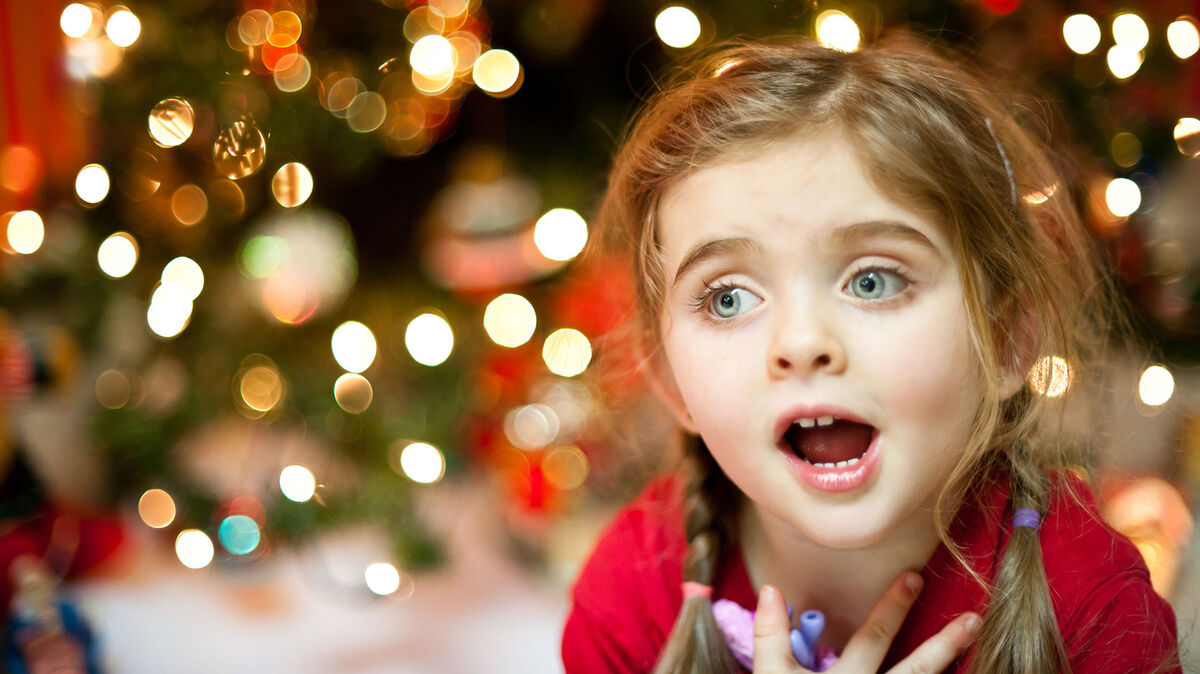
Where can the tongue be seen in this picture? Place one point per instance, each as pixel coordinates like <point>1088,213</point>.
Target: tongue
<point>840,441</point>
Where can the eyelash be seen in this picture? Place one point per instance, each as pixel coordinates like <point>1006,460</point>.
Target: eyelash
<point>897,270</point>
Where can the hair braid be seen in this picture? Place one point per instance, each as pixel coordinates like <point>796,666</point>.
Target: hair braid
<point>696,645</point>
<point>1020,634</point>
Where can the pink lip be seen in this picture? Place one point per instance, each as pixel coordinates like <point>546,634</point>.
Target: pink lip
<point>835,479</point>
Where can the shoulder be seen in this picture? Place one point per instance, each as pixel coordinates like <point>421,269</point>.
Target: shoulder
<point>1109,615</point>
<point>626,597</point>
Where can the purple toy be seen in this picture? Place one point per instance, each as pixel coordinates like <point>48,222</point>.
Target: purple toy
<point>737,624</point>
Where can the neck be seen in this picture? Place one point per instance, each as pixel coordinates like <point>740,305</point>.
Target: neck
<point>843,583</point>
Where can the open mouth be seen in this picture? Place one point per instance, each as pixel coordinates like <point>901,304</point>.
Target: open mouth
<point>829,442</point>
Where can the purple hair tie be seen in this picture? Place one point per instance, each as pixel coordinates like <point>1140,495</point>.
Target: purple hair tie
<point>1026,517</point>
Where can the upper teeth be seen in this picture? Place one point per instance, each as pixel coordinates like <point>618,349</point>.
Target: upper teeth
<point>819,421</point>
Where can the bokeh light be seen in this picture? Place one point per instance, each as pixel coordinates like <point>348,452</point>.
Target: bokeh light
<point>185,273</point>
<point>92,183</point>
<point>171,122</point>
<point>25,232</point>
<point>285,29</point>
<point>254,27</point>
<point>75,20</point>
<point>531,426</point>
<point>382,578</point>
<point>189,204</point>
<point>156,508</point>
<point>565,468</point>
<point>354,346</point>
<point>1123,61</point>
<point>1050,376</point>
<point>20,168</point>
<point>496,71</point>
<point>260,388</point>
<point>1126,149</point>
<point>123,27</point>
<point>1081,33</point>
<point>837,30</point>
<point>1122,196</point>
<point>1130,31</point>
<point>1187,136</point>
<point>366,112</point>
<point>113,389</point>
<point>1156,385</point>
<point>509,320</point>
<point>297,483</point>
<point>677,26</point>
<point>432,56</point>
<point>194,548</point>
<point>353,393</point>
<point>118,254</point>
<point>292,72</point>
<point>429,339</point>
<point>567,352</point>
<point>239,534</point>
<point>292,184</point>
<point>239,149</point>
<point>422,462</point>
<point>1183,37</point>
<point>170,310</point>
<point>560,234</point>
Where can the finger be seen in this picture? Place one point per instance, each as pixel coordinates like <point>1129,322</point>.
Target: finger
<point>772,641</point>
<point>869,645</point>
<point>940,649</point>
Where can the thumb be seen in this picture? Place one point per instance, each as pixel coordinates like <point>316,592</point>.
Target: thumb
<point>772,639</point>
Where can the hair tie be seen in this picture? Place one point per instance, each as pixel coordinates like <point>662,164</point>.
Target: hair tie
<point>692,589</point>
<point>1012,181</point>
<point>1026,517</point>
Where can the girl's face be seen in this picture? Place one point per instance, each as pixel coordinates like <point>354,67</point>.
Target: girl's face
<point>797,294</point>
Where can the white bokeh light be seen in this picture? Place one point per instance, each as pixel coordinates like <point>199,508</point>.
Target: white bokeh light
<point>1156,385</point>
<point>677,26</point>
<point>185,273</point>
<point>560,234</point>
<point>429,339</point>
<point>92,183</point>
<point>117,255</point>
<point>1123,196</point>
<point>838,31</point>
<point>1183,37</point>
<point>297,483</point>
<point>509,320</point>
<point>382,578</point>
<point>26,232</point>
<point>194,548</point>
<point>354,346</point>
<point>123,28</point>
<point>422,462</point>
<point>1081,33</point>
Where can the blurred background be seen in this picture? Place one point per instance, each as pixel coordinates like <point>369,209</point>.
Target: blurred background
<point>301,369</point>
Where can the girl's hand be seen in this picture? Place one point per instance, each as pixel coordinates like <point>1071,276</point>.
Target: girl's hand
<point>869,645</point>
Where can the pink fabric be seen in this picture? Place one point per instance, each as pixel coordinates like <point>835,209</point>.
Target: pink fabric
<point>628,594</point>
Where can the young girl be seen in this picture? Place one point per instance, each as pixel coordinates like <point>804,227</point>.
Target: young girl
<point>848,263</point>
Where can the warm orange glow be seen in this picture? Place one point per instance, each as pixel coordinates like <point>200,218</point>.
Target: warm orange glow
<point>20,168</point>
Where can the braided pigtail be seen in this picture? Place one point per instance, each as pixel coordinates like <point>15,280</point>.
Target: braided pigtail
<point>1020,633</point>
<point>696,644</point>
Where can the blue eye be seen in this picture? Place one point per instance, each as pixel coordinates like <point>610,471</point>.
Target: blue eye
<point>729,302</point>
<point>876,284</point>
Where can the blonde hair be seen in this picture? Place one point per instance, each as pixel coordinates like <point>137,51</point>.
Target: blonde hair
<point>930,135</point>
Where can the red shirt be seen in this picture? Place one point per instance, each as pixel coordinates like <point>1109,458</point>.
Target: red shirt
<point>628,593</point>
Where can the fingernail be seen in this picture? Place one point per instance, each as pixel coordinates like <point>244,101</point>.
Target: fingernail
<point>972,625</point>
<point>913,582</point>
<point>766,594</point>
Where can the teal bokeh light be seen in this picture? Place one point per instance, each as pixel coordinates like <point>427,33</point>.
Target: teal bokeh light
<point>239,534</point>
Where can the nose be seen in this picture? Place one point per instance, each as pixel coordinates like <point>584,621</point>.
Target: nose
<point>805,343</point>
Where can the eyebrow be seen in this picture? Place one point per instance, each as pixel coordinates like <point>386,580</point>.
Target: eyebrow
<point>847,235</point>
<point>715,248</point>
<point>842,237</point>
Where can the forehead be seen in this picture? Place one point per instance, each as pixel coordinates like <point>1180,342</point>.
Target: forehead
<point>799,186</point>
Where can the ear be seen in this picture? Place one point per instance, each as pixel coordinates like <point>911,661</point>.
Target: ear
<point>662,382</point>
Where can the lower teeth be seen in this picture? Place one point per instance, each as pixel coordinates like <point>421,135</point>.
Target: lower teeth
<point>839,464</point>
